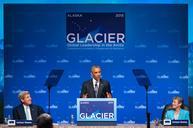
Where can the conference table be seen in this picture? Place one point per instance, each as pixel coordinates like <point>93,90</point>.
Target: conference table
<point>118,126</point>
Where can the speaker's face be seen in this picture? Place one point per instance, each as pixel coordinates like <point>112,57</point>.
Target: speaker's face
<point>96,74</point>
<point>27,100</point>
<point>176,104</point>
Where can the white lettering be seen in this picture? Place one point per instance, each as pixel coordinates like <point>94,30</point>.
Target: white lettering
<point>89,38</point>
<point>71,38</point>
<point>96,116</point>
<point>97,38</point>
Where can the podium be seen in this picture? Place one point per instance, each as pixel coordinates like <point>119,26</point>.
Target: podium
<point>96,111</point>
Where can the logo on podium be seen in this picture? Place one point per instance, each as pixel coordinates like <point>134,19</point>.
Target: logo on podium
<point>96,110</point>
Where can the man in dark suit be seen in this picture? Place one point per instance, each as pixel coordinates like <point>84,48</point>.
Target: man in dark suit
<point>96,87</point>
<point>26,110</point>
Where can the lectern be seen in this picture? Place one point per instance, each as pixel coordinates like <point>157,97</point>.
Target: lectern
<point>96,111</point>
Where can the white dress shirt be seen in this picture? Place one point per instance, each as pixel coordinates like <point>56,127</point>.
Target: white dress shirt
<point>94,82</point>
<point>27,112</point>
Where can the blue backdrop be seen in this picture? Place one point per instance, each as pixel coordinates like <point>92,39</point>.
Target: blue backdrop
<point>156,39</point>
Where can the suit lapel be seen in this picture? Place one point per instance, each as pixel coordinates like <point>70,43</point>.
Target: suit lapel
<point>172,114</point>
<point>32,112</point>
<point>181,114</point>
<point>92,93</point>
<point>23,112</point>
<point>100,89</point>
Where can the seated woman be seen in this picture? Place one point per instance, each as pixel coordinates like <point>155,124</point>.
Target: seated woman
<point>177,113</point>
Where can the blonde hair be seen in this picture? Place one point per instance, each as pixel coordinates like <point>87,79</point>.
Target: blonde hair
<point>180,99</point>
<point>22,94</point>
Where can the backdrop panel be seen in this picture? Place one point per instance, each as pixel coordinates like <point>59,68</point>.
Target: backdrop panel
<point>154,38</point>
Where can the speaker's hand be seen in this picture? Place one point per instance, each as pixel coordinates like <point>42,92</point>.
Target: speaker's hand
<point>85,95</point>
<point>108,95</point>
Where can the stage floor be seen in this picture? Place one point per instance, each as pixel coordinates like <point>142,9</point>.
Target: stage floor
<point>118,126</point>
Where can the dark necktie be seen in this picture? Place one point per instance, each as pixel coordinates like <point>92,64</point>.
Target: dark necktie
<point>96,89</point>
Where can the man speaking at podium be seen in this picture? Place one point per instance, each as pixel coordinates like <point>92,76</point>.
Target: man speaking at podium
<point>96,87</point>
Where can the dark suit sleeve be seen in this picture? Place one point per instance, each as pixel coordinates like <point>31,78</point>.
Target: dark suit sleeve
<point>83,90</point>
<point>40,110</point>
<point>15,113</point>
<point>108,88</point>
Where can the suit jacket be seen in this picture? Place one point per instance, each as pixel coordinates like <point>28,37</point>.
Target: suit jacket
<point>183,115</point>
<point>88,87</point>
<point>19,113</point>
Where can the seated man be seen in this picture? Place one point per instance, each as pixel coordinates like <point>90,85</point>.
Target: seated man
<point>96,87</point>
<point>44,121</point>
<point>177,113</point>
<point>26,110</point>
